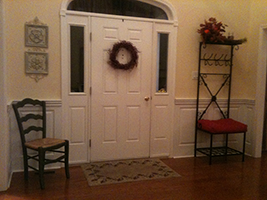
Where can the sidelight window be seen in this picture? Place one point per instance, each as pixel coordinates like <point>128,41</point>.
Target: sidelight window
<point>77,58</point>
<point>162,62</point>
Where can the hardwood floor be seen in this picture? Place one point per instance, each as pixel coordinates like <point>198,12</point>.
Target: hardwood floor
<point>231,179</point>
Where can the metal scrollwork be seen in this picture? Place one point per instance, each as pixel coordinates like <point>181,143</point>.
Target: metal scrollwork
<point>199,114</point>
<point>225,113</point>
<point>236,47</point>
<point>227,76</point>
<point>222,60</point>
<point>202,77</point>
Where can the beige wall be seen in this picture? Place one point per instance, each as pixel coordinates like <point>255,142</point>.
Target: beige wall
<point>234,13</point>
<point>242,16</point>
<point>19,12</point>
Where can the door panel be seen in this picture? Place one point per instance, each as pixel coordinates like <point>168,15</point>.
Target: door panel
<point>120,119</point>
<point>75,102</point>
<point>162,106</point>
<point>77,125</point>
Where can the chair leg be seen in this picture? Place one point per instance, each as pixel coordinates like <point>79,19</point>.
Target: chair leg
<point>67,159</point>
<point>244,144</point>
<point>211,142</point>
<point>25,162</point>
<point>226,146</point>
<point>41,167</point>
<point>195,147</point>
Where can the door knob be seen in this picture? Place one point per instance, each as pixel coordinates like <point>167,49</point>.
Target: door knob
<point>146,98</point>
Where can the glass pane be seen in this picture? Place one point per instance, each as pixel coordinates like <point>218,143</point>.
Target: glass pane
<point>162,64</point>
<point>77,58</point>
<point>119,7</point>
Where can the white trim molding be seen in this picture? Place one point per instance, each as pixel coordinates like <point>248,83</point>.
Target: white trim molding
<point>5,175</point>
<point>74,100</point>
<point>260,92</point>
<point>163,4</point>
<point>184,126</point>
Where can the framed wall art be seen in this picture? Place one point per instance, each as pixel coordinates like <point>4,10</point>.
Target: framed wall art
<point>36,63</point>
<point>36,34</point>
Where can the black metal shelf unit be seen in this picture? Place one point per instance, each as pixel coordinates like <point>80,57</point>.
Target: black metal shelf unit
<point>215,67</point>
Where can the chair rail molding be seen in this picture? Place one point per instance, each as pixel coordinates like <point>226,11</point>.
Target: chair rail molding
<point>184,124</point>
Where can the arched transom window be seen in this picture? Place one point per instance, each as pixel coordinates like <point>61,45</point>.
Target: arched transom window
<point>119,7</point>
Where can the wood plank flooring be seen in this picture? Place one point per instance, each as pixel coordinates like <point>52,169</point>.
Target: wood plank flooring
<point>224,179</point>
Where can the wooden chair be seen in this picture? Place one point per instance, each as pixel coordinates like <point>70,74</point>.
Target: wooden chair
<point>33,125</point>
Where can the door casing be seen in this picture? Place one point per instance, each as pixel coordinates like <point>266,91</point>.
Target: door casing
<point>162,104</point>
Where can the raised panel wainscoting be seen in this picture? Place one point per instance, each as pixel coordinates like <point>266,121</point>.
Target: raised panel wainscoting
<point>182,138</point>
<point>184,125</point>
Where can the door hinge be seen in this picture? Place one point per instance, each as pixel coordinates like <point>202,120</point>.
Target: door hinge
<point>90,36</point>
<point>90,143</point>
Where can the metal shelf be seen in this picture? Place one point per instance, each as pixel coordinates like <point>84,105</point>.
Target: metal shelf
<point>219,151</point>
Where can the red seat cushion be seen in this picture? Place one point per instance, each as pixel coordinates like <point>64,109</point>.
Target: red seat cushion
<point>222,126</point>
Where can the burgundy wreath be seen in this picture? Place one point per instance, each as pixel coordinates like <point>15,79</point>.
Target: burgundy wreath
<point>114,52</point>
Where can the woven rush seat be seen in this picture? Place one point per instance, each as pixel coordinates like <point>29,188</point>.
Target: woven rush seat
<point>44,143</point>
<point>221,126</point>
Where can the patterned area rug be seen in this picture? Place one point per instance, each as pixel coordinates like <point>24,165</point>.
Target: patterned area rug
<point>101,173</point>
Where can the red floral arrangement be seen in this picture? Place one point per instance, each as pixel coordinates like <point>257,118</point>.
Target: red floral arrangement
<point>211,31</point>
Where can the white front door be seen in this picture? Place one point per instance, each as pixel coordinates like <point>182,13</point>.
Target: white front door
<point>120,100</point>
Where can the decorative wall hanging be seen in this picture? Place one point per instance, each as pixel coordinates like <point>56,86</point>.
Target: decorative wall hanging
<point>114,52</point>
<point>36,64</point>
<point>36,34</point>
<point>36,58</point>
